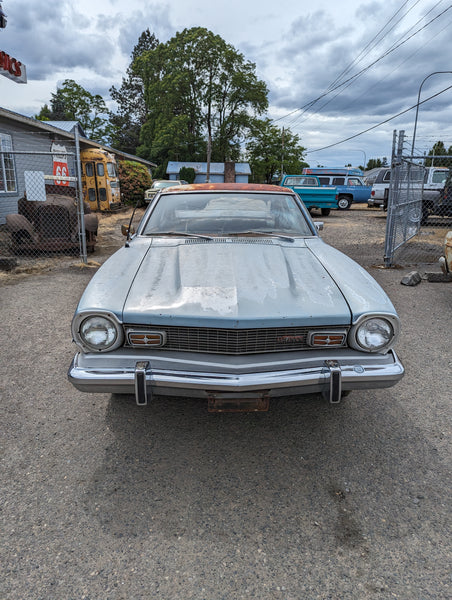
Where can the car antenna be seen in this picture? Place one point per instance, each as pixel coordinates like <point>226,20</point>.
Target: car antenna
<point>130,224</point>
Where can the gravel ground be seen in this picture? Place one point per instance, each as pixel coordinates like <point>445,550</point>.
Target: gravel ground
<point>104,500</point>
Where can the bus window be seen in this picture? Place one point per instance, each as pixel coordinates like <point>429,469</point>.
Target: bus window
<point>89,170</point>
<point>100,169</point>
<point>92,195</point>
<point>111,170</point>
<point>102,195</point>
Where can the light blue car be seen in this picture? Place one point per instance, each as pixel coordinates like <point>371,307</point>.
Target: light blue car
<point>227,292</point>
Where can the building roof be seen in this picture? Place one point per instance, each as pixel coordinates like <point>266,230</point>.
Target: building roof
<point>201,168</point>
<point>67,129</point>
<point>67,126</point>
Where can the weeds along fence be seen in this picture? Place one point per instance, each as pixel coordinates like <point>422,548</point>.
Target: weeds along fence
<point>419,209</point>
<point>42,213</point>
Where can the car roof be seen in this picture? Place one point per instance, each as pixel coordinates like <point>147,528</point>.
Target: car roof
<point>228,187</point>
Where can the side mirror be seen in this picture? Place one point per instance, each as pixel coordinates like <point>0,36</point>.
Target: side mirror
<point>125,230</point>
<point>318,225</point>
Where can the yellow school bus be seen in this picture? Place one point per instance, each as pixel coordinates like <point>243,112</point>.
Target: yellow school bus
<point>100,180</point>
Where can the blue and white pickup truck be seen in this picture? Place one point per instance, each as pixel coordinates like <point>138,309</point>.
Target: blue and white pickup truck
<point>348,181</point>
<point>312,192</point>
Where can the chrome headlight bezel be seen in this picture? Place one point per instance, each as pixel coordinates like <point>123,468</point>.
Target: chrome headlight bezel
<point>389,319</point>
<point>77,331</point>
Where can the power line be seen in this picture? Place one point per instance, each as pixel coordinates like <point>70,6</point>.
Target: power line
<point>381,123</point>
<point>356,98</point>
<point>369,45</point>
<point>353,77</point>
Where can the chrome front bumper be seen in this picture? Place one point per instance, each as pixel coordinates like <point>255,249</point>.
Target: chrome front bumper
<point>184,374</point>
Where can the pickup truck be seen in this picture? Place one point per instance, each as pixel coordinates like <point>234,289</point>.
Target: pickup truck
<point>348,181</point>
<point>437,195</point>
<point>434,197</point>
<point>313,194</point>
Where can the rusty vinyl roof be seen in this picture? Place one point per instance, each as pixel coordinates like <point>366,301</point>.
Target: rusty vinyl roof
<point>226,187</point>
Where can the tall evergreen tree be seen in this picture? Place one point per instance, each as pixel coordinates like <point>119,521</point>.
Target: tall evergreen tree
<point>131,112</point>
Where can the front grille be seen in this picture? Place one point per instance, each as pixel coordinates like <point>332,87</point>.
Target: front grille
<point>232,341</point>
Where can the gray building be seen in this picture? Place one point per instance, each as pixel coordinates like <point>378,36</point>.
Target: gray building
<point>228,172</point>
<point>28,145</point>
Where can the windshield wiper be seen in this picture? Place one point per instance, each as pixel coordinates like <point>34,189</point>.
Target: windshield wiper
<point>180,234</point>
<point>287,238</point>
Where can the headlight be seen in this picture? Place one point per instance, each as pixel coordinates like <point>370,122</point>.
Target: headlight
<point>374,333</point>
<point>99,333</point>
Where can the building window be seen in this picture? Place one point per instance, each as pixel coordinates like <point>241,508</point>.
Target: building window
<point>7,171</point>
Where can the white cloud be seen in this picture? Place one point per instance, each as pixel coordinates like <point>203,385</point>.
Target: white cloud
<point>299,48</point>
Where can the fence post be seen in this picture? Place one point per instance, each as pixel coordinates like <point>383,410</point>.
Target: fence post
<point>80,207</point>
<point>396,161</point>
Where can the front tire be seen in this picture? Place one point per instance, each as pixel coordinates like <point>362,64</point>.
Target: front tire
<point>344,203</point>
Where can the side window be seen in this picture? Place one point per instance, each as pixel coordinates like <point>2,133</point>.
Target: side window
<point>100,169</point>
<point>338,180</point>
<point>92,195</point>
<point>354,181</point>
<point>387,176</point>
<point>7,168</point>
<point>324,180</point>
<point>111,170</point>
<point>439,177</point>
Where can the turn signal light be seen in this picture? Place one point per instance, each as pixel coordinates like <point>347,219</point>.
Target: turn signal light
<point>148,338</point>
<point>323,340</point>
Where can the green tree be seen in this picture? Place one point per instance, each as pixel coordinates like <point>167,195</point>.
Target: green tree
<point>45,114</point>
<point>131,106</point>
<point>134,179</point>
<point>374,163</point>
<point>270,149</point>
<point>439,150</point>
<point>201,95</point>
<point>72,102</point>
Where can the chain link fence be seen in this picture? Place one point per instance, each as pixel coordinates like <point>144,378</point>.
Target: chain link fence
<point>419,207</point>
<point>42,211</point>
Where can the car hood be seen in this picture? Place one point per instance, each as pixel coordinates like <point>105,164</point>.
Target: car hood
<point>233,283</point>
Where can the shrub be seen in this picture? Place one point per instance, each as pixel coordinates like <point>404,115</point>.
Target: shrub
<point>187,174</point>
<point>134,179</point>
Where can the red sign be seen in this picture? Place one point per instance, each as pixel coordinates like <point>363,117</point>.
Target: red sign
<point>12,68</point>
<point>60,171</point>
<point>60,168</point>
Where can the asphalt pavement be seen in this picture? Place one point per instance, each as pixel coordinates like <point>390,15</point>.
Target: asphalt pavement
<point>102,499</point>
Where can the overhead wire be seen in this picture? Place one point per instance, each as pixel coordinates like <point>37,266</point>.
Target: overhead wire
<point>381,123</point>
<point>379,81</point>
<point>369,46</point>
<point>394,47</point>
<point>347,69</point>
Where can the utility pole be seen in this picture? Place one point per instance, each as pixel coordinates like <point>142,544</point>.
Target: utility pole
<point>282,153</point>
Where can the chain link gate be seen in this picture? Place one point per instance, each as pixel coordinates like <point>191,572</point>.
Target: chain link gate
<point>41,194</point>
<point>418,218</point>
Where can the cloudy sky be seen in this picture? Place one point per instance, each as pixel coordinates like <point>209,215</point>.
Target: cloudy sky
<point>334,68</point>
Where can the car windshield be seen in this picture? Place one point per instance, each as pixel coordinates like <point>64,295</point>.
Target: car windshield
<point>158,185</point>
<point>227,213</point>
